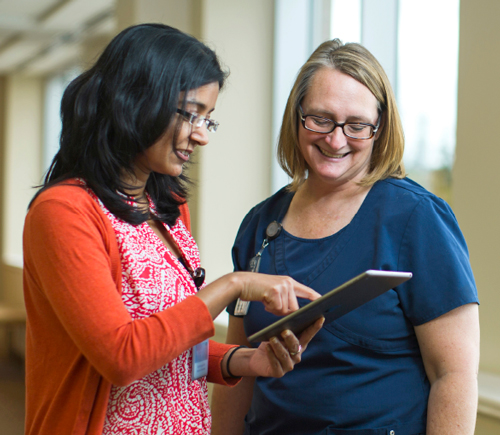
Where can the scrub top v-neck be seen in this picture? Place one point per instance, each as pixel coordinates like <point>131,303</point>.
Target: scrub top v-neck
<point>362,373</point>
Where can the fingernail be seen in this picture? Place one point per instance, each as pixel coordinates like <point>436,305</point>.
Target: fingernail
<point>274,340</point>
<point>286,333</point>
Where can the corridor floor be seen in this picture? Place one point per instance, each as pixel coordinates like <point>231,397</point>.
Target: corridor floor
<point>11,397</point>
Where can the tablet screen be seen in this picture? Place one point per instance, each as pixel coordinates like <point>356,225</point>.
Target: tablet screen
<point>336,303</point>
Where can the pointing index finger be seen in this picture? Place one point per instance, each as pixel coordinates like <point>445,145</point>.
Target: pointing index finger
<point>303,291</point>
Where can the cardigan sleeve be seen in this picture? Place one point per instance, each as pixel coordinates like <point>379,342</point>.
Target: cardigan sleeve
<point>68,260</point>
<point>216,353</point>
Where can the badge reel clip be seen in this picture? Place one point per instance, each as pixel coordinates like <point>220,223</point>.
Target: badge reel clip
<point>273,230</point>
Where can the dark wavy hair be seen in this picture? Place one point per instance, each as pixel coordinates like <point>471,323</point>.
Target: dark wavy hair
<point>121,106</point>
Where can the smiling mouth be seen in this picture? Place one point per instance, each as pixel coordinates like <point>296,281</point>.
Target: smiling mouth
<point>183,154</point>
<point>334,156</point>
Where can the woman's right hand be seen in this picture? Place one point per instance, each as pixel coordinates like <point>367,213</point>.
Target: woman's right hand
<point>277,293</point>
<point>276,357</point>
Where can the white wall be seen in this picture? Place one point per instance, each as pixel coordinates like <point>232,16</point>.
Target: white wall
<point>476,183</point>
<point>235,167</point>
<point>22,159</point>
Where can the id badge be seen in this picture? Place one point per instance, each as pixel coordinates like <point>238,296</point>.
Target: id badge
<point>273,230</point>
<point>241,308</point>
<point>200,360</point>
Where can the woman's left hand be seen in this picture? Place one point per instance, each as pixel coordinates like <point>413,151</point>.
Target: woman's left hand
<point>276,357</point>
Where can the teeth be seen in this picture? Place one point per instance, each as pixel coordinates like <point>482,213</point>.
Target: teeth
<point>185,153</point>
<point>336,156</point>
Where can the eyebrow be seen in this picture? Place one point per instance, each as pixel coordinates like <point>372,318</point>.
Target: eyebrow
<point>201,106</point>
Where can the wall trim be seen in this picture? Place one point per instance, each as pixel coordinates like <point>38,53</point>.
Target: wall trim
<point>489,394</point>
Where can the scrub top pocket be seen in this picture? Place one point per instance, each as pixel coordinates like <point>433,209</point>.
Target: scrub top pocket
<point>378,325</point>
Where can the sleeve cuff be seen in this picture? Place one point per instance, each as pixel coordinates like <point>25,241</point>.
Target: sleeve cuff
<point>216,353</point>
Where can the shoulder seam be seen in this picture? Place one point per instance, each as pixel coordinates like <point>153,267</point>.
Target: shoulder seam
<point>424,193</point>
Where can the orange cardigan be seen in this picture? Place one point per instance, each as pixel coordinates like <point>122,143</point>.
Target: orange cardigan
<point>80,338</point>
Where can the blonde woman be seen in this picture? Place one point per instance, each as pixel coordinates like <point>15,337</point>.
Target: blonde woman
<point>406,362</point>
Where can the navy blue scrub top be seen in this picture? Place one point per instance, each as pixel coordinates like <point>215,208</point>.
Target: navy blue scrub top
<point>362,373</point>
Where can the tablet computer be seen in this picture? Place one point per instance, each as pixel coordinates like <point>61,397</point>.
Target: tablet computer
<point>336,303</point>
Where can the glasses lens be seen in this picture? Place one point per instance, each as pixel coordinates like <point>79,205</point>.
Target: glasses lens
<point>321,125</point>
<point>212,125</point>
<point>325,125</point>
<point>197,121</point>
<point>358,131</point>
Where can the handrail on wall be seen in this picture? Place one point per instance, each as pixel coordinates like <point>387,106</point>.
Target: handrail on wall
<point>489,394</point>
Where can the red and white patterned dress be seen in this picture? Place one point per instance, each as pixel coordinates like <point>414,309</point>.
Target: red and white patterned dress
<point>166,401</point>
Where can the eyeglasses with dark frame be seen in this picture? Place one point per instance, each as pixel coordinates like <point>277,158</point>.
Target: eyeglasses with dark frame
<point>197,121</point>
<point>354,130</point>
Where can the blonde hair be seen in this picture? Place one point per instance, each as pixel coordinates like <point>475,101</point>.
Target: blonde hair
<point>356,61</point>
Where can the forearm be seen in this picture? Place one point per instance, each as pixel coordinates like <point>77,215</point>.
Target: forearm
<point>450,352</point>
<point>220,293</point>
<point>452,405</point>
<point>269,359</point>
<point>236,362</point>
<point>277,293</point>
<point>229,407</point>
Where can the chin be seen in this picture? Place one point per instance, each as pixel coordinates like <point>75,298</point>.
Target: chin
<point>180,171</point>
<point>173,171</point>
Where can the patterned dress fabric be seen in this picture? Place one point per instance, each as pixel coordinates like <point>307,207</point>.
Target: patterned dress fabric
<point>166,401</point>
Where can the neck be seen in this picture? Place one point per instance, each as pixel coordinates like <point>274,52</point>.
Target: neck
<point>136,186</point>
<point>316,212</point>
<point>317,191</point>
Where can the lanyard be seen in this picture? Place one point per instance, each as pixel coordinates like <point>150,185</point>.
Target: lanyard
<point>273,230</point>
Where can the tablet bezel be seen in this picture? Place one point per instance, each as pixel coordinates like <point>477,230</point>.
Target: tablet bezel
<point>337,302</point>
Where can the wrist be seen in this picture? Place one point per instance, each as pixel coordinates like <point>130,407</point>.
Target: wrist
<point>220,293</point>
<point>236,284</point>
<point>234,362</point>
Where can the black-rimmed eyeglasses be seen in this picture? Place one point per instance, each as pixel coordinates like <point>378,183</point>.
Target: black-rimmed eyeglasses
<point>197,121</point>
<point>354,130</point>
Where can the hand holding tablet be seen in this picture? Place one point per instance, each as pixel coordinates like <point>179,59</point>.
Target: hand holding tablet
<point>336,303</point>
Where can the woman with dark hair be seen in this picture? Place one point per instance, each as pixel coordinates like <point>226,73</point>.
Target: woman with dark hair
<point>118,316</point>
<point>404,363</point>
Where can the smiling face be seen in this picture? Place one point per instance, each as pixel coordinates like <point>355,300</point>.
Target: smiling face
<point>166,157</point>
<point>334,158</point>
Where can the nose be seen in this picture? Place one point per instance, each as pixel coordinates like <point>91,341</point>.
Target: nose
<point>200,134</point>
<point>336,138</point>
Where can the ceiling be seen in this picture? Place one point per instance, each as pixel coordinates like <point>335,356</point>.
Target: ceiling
<point>38,37</point>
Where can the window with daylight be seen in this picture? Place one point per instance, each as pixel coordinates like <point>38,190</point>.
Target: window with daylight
<point>54,89</point>
<point>427,89</point>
